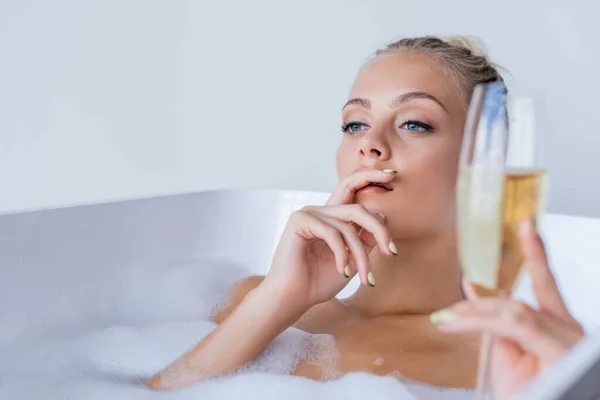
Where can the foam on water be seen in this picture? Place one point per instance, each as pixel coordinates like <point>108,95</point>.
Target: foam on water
<point>102,341</point>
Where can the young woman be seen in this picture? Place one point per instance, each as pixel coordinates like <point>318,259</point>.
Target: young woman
<point>391,220</point>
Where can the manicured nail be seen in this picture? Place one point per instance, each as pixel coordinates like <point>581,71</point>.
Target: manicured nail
<point>442,317</point>
<point>393,248</point>
<point>381,215</point>
<point>507,315</point>
<point>371,279</point>
<point>347,271</point>
<point>390,171</point>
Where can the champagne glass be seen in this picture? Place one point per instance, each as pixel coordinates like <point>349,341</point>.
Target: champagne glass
<point>497,189</point>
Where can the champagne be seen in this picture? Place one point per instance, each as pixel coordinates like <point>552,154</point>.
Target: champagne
<point>493,200</point>
<point>488,224</point>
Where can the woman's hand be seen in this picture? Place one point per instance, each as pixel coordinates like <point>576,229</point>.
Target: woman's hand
<point>319,245</point>
<point>527,340</point>
<point>322,247</point>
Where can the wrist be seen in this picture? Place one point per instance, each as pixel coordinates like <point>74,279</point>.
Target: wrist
<point>274,299</point>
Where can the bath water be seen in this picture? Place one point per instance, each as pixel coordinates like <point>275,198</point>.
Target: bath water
<point>103,340</point>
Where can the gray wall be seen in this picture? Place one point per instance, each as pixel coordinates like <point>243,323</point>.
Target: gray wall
<point>126,98</point>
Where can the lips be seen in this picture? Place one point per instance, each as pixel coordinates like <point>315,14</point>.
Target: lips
<point>379,185</point>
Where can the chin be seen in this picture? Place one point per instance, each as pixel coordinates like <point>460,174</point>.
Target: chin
<point>380,203</point>
<point>407,220</point>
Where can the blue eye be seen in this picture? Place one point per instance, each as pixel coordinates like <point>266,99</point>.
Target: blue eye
<point>353,127</point>
<point>417,126</point>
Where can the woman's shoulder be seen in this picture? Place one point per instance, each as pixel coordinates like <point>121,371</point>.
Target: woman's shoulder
<point>316,318</point>
<point>237,294</point>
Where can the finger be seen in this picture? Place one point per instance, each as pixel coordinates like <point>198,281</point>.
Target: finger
<point>536,261</point>
<point>469,290</point>
<point>527,335</point>
<point>309,227</point>
<point>350,270</point>
<point>344,191</point>
<point>491,304</point>
<point>533,331</point>
<point>357,214</point>
<point>512,363</point>
<point>507,351</point>
<point>367,237</point>
<point>518,310</point>
<point>357,248</point>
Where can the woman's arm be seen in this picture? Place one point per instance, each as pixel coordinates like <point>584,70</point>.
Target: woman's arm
<point>320,249</point>
<point>246,329</point>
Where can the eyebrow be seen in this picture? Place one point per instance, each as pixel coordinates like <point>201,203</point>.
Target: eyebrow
<point>400,99</point>
<point>359,101</point>
<point>406,97</point>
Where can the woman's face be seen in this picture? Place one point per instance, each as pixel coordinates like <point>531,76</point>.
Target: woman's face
<point>405,113</point>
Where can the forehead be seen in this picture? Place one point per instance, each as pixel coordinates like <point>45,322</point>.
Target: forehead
<point>392,74</point>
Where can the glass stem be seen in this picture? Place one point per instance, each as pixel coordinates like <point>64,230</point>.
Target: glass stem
<point>484,366</point>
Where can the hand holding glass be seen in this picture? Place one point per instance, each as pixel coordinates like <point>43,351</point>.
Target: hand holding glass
<point>497,189</point>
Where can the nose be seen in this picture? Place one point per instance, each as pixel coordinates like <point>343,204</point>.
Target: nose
<point>373,147</point>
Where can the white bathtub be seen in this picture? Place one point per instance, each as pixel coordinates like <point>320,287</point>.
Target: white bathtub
<point>45,254</point>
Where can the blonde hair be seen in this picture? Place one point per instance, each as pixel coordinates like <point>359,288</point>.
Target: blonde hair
<point>463,57</point>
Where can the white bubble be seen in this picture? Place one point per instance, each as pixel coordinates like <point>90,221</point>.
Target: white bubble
<point>103,340</point>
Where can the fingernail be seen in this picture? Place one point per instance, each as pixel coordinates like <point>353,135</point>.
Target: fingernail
<point>381,215</point>
<point>390,171</point>
<point>507,315</point>
<point>347,271</point>
<point>371,279</point>
<point>442,317</point>
<point>393,248</point>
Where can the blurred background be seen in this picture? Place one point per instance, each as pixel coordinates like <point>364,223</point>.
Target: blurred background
<point>117,99</point>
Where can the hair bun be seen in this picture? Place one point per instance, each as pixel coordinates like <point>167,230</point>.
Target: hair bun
<point>472,43</point>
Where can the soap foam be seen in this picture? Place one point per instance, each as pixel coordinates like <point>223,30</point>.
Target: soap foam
<point>104,340</point>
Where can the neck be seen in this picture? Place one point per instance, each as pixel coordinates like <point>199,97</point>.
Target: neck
<point>423,278</point>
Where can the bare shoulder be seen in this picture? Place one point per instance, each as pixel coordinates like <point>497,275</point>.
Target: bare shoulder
<point>315,320</point>
<point>237,294</point>
<point>325,317</point>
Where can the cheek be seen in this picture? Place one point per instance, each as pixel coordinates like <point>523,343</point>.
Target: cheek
<point>343,159</point>
<point>438,166</point>
<point>434,178</point>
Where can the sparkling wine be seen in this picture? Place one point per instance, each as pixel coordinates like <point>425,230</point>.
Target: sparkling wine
<point>493,200</point>
<point>488,223</point>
